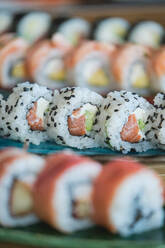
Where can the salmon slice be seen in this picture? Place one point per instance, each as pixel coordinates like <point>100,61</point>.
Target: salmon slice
<point>34,122</point>
<point>130,131</point>
<point>76,125</point>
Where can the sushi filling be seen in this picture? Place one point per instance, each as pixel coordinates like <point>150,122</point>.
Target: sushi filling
<point>80,122</point>
<point>35,116</point>
<point>81,200</point>
<point>54,70</point>
<point>17,70</point>
<point>133,130</point>
<point>21,200</point>
<point>95,73</point>
<point>138,76</point>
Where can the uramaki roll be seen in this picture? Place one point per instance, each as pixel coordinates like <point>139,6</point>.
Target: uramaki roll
<point>63,189</point>
<point>46,62</point>
<point>128,198</point>
<point>18,171</point>
<point>131,68</point>
<point>71,117</point>
<point>12,62</point>
<point>90,65</point>
<point>25,113</point>
<point>120,122</point>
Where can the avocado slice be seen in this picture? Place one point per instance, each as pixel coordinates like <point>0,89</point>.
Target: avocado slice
<point>89,119</point>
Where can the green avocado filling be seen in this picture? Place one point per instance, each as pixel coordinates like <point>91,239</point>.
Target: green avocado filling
<point>89,119</point>
<point>141,124</point>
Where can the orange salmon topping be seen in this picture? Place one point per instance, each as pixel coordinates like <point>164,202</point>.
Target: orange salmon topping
<point>34,122</point>
<point>76,125</point>
<point>130,131</point>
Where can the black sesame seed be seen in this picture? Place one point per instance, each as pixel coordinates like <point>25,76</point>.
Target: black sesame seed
<point>16,129</point>
<point>55,124</point>
<point>9,127</point>
<point>116,110</point>
<point>15,117</point>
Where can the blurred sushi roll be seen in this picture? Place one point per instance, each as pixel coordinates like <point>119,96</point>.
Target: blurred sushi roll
<point>71,118</point>
<point>121,122</point>
<point>62,192</point>
<point>25,108</point>
<point>34,26</point>
<point>149,33</point>
<point>128,198</point>
<point>46,62</point>
<point>91,66</point>
<point>6,19</point>
<point>12,63</point>
<point>158,70</point>
<point>18,171</point>
<point>112,30</point>
<point>155,129</point>
<point>75,30</point>
<point>131,68</point>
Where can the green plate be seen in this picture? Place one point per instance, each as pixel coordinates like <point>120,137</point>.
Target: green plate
<point>41,235</point>
<point>50,147</point>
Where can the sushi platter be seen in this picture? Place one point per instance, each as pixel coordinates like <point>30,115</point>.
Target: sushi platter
<point>77,131</point>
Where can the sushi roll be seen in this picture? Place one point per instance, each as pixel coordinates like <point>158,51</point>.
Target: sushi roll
<point>46,62</point>
<point>34,26</point>
<point>12,63</point>
<point>158,70</point>
<point>112,30</point>
<point>25,108</point>
<point>75,30</point>
<point>155,129</point>
<point>149,33</point>
<point>6,19</point>
<point>62,192</point>
<point>71,117</point>
<point>131,68</point>
<point>121,122</point>
<point>91,66</point>
<point>128,198</point>
<point>18,171</point>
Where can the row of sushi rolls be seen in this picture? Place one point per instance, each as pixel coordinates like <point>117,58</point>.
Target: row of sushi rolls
<point>72,193</point>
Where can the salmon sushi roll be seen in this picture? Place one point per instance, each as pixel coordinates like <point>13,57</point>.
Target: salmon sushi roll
<point>12,62</point>
<point>131,68</point>
<point>120,124</point>
<point>18,172</point>
<point>62,192</point>
<point>34,26</point>
<point>112,30</point>
<point>148,33</point>
<point>75,30</point>
<point>91,66</point>
<point>46,62</point>
<point>6,20</point>
<point>158,70</point>
<point>128,198</point>
<point>25,108</point>
<point>155,130</point>
<point>71,117</point>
